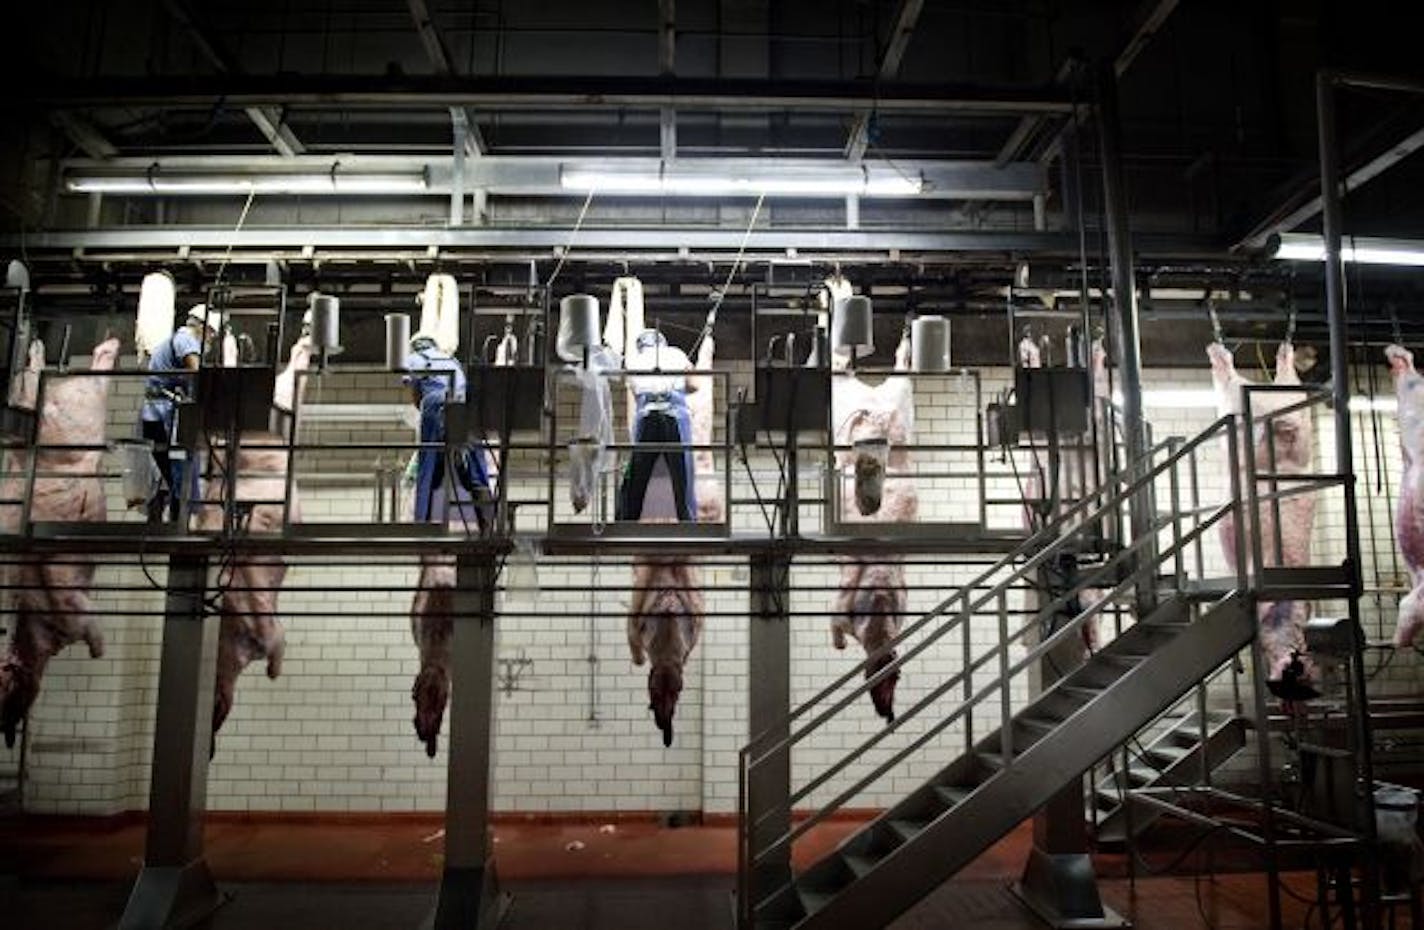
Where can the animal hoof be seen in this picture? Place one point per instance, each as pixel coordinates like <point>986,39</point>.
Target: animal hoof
<point>431,746</point>
<point>9,737</point>
<point>667,737</point>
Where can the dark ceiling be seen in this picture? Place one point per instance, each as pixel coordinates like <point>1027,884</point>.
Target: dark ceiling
<point>1217,107</point>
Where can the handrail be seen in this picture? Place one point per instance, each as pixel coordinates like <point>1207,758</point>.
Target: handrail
<point>1067,526</point>
<point>1054,640</point>
<point>1114,500</point>
<point>1028,545</point>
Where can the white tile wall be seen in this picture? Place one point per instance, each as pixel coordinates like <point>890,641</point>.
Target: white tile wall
<point>334,732</point>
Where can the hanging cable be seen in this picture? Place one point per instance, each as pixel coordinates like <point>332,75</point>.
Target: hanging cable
<point>578,225</point>
<point>731,273</point>
<point>241,219</point>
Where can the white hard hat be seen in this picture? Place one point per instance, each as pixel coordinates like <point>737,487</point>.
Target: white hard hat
<point>209,318</point>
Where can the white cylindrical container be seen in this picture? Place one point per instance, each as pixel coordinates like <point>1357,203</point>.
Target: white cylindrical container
<point>325,321</point>
<point>155,311</point>
<point>397,340</point>
<point>929,343</point>
<point>578,326</point>
<point>853,326</point>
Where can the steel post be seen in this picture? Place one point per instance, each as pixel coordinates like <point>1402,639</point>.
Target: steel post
<point>769,700</point>
<point>175,887</point>
<point>469,897</point>
<point>1123,320</point>
<point>1344,465</point>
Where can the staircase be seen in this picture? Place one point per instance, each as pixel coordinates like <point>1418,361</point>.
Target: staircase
<point>1172,758</point>
<point>1180,637</point>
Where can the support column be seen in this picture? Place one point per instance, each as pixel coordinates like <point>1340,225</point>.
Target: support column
<point>1059,883</point>
<point>769,700</point>
<point>1123,320</point>
<point>469,897</point>
<point>1345,465</point>
<point>175,887</point>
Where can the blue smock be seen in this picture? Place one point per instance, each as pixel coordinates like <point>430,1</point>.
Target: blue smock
<point>436,376</point>
<point>166,362</point>
<point>170,376</point>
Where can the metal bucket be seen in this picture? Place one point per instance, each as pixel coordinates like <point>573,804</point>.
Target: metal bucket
<point>578,326</point>
<point>325,322</point>
<point>929,343</point>
<point>397,340</point>
<point>853,326</point>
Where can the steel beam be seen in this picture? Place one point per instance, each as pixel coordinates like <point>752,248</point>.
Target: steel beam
<point>278,134</point>
<point>1354,180</point>
<point>805,241</point>
<point>556,93</point>
<point>469,897</point>
<point>84,134</point>
<point>768,706</point>
<point>1150,25</point>
<point>268,120</point>
<point>904,28</point>
<point>667,65</point>
<point>175,887</point>
<point>440,59</point>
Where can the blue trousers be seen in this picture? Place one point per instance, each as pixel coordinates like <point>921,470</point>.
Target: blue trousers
<point>467,463</point>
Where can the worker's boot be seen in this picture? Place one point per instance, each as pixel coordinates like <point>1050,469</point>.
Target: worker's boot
<point>157,504</point>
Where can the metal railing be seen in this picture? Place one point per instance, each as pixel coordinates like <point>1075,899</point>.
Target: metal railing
<point>1134,563</point>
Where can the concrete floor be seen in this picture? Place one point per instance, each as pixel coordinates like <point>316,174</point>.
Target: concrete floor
<point>358,873</point>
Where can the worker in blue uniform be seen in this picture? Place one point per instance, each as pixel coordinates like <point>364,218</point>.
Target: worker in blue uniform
<point>656,378</point>
<point>435,378</point>
<point>179,353</point>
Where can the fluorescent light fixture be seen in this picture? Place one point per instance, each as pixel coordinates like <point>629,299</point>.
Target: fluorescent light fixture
<point>182,183</point>
<point>802,181</point>
<point>1306,247</point>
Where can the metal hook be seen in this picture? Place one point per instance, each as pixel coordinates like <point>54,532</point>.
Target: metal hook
<point>1215,320</point>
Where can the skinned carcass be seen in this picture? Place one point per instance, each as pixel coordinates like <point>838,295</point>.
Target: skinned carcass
<point>432,616</point>
<point>1409,511</point>
<point>432,612</point>
<point>51,601</point>
<point>664,623</point>
<point>1291,436</point>
<point>250,629</point>
<point>667,607</point>
<point>872,598</point>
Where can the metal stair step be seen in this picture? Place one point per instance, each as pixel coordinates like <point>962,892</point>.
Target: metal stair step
<point>1079,692</point>
<point>1171,754</point>
<point>994,760</point>
<point>813,900</point>
<point>1040,724</point>
<point>906,830</point>
<point>951,795</point>
<point>859,865</point>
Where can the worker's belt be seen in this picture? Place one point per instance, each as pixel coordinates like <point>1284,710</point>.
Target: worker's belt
<point>158,393</point>
<point>659,401</point>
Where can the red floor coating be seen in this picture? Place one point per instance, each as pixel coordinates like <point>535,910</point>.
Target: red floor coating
<point>609,856</point>
<point>246,848</point>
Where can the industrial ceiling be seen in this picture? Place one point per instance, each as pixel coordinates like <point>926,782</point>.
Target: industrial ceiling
<point>936,144</point>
